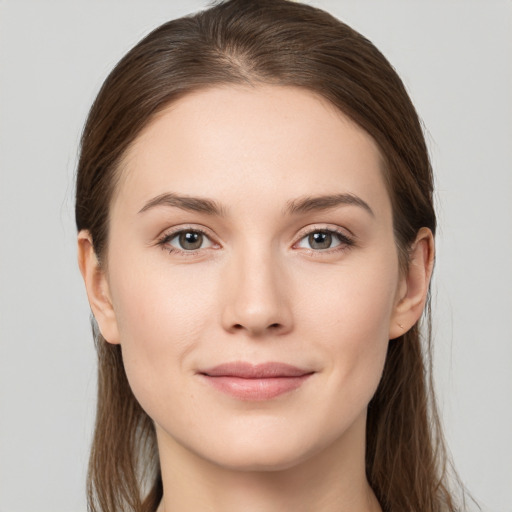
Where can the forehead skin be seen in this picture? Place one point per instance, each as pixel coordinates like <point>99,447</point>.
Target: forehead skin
<point>236,134</point>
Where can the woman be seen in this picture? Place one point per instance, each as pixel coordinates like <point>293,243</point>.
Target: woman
<point>256,236</point>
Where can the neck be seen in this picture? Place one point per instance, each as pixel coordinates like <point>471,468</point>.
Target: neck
<point>333,480</point>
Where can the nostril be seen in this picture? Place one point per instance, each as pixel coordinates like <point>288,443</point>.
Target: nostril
<point>274,327</point>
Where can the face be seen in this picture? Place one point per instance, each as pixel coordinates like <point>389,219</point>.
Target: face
<point>253,276</point>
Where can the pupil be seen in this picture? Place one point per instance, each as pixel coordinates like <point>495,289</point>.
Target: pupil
<point>320,240</point>
<point>191,240</point>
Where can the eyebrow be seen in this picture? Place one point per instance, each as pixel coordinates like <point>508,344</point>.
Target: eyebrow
<point>194,204</point>
<point>326,202</point>
<point>297,206</point>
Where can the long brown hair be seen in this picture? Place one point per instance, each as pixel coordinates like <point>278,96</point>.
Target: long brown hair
<point>285,43</point>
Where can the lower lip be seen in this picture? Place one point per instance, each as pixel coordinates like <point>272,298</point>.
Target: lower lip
<point>256,389</point>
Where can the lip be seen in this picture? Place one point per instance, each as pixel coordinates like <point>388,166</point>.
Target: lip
<point>257,382</point>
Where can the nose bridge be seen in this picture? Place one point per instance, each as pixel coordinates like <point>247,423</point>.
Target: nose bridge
<point>256,291</point>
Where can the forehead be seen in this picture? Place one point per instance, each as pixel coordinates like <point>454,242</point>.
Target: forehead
<point>275,141</point>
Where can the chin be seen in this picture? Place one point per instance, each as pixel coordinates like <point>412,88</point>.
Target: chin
<point>265,461</point>
<point>250,454</point>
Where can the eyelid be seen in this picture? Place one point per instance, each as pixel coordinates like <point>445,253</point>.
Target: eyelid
<point>334,228</point>
<point>170,233</point>
<point>346,237</point>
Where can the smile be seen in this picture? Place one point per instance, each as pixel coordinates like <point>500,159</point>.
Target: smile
<point>246,381</point>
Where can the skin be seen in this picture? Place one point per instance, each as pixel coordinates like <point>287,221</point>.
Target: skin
<point>257,290</point>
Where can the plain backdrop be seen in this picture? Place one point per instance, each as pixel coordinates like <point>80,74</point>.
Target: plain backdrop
<point>455,58</point>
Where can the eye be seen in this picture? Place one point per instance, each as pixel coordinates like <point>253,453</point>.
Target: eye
<point>186,240</point>
<point>324,239</point>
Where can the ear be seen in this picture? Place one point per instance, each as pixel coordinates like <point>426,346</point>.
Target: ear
<point>413,288</point>
<point>97,287</point>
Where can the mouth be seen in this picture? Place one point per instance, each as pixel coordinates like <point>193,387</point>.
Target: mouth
<point>259,382</point>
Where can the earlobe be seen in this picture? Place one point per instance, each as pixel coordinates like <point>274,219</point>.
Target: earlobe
<point>413,291</point>
<point>97,287</point>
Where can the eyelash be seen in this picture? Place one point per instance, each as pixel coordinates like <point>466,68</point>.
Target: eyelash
<point>346,242</point>
<point>163,242</point>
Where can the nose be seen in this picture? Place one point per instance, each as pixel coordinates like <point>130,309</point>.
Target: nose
<point>257,297</point>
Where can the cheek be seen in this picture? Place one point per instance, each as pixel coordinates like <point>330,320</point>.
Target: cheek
<point>150,315</point>
<point>155,301</point>
<point>351,316</point>
<point>162,315</point>
<point>356,299</point>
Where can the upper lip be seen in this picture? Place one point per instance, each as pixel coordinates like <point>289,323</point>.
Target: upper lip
<point>246,370</point>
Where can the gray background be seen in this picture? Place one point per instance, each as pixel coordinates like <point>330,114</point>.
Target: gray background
<point>455,58</point>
